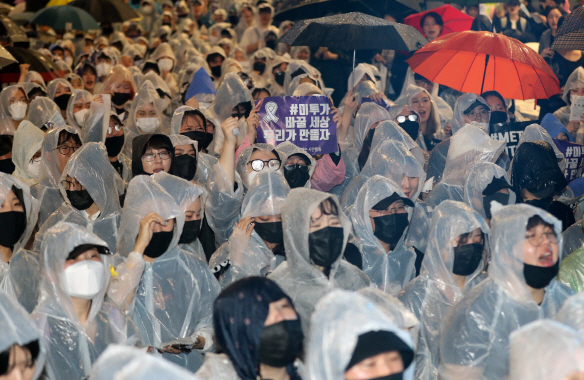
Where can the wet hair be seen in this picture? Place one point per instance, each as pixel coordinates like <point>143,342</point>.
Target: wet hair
<point>437,18</point>
<point>158,142</point>
<point>463,237</point>
<point>192,115</point>
<point>494,93</point>
<point>419,77</point>
<point>19,195</point>
<point>88,68</point>
<point>212,56</point>
<point>537,220</point>
<point>65,136</point>
<point>258,90</point>
<point>31,349</point>
<point>328,207</point>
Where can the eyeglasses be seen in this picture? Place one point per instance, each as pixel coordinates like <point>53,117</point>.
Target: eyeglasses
<point>65,150</point>
<point>149,157</point>
<point>110,130</point>
<point>258,165</point>
<point>400,209</point>
<point>71,184</point>
<point>303,168</point>
<point>482,114</point>
<point>536,240</point>
<point>38,159</point>
<point>401,118</point>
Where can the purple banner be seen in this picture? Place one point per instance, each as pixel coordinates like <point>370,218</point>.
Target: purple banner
<point>306,121</point>
<point>574,155</point>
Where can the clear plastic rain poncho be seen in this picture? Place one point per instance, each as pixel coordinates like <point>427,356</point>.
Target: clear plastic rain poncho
<point>478,177</point>
<point>251,256</point>
<point>534,132</point>
<point>19,328</point>
<point>298,68</point>
<point>28,140</point>
<point>71,346</point>
<point>176,275</point>
<point>47,191</point>
<point>388,271</point>
<point>474,337</point>
<point>146,95</point>
<point>243,159</point>
<point>97,120</point>
<point>6,122</point>
<point>263,79</point>
<point>19,278</point>
<point>288,149</point>
<point>297,276</point>
<point>205,162</point>
<point>358,73</point>
<point>369,114</point>
<point>430,295</point>
<point>390,159</point>
<point>43,112</point>
<point>78,97</point>
<point>184,194</point>
<point>91,167</point>
<point>52,86</point>
<point>575,80</point>
<point>160,86</point>
<point>338,321</point>
<point>34,76</point>
<point>444,108</point>
<point>462,104</point>
<point>546,350</point>
<point>231,93</point>
<point>572,312</point>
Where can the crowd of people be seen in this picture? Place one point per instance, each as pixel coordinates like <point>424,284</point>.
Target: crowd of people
<point>146,234</point>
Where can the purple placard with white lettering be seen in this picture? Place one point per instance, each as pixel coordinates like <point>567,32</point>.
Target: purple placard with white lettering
<point>306,121</point>
<point>574,155</point>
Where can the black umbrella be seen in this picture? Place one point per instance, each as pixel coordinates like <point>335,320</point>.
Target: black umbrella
<point>38,62</point>
<point>107,10</point>
<point>9,30</point>
<point>571,34</point>
<point>379,8</point>
<point>6,58</point>
<point>298,9</point>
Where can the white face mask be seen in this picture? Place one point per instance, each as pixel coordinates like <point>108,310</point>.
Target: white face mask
<point>69,60</point>
<point>33,169</point>
<point>80,116</point>
<point>18,110</point>
<point>84,279</point>
<point>147,9</point>
<point>147,124</point>
<point>165,64</point>
<point>574,98</point>
<point>103,69</point>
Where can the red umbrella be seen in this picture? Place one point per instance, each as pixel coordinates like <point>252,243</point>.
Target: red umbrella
<point>454,20</point>
<point>482,61</point>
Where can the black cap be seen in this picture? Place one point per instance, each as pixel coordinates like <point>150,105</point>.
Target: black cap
<point>377,342</point>
<point>80,249</point>
<point>386,202</point>
<point>496,185</point>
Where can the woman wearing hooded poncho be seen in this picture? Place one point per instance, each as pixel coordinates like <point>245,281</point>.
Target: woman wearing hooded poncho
<point>18,267</point>
<point>75,322</point>
<point>13,104</point>
<point>22,354</point>
<point>474,338</point>
<point>315,235</point>
<point>453,264</point>
<point>152,154</point>
<point>258,331</point>
<point>360,342</point>
<point>156,271</point>
<point>26,153</point>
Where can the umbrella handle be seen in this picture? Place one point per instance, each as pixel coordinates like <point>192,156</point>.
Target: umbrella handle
<point>354,51</point>
<point>485,72</point>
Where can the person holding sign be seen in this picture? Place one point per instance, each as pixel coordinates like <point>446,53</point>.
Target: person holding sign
<point>574,98</point>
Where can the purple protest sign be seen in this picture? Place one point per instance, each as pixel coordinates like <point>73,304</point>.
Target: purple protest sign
<point>305,121</point>
<point>574,155</point>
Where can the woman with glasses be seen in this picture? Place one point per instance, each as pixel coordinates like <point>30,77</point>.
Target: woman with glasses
<point>13,108</point>
<point>58,146</point>
<point>525,247</point>
<point>26,153</point>
<point>89,187</point>
<point>22,355</point>
<point>381,215</point>
<point>152,154</point>
<point>469,108</point>
<point>453,264</point>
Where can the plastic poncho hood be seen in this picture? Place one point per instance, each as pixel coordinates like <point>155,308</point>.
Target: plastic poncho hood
<point>478,177</point>
<point>28,140</point>
<point>369,114</point>
<point>462,104</point>
<point>575,80</point>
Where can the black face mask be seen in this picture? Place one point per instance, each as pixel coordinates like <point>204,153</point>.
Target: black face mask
<point>467,259</point>
<point>412,128</point>
<point>297,175</point>
<point>62,101</point>
<point>233,20</point>
<point>271,44</point>
<point>271,232</point>
<point>203,138</point>
<point>114,145</point>
<point>280,76</point>
<point>12,224</point>
<point>80,199</point>
<point>395,376</point>
<point>498,117</point>
<point>191,231</point>
<point>185,166</point>
<point>158,244</point>
<point>539,277</point>
<point>497,197</point>
<point>390,228</point>
<point>216,71</point>
<point>325,246</point>
<point>280,343</point>
<point>7,166</point>
<point>259,67</point>
<point>120,98</point>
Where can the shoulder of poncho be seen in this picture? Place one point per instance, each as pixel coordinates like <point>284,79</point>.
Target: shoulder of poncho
<point>358,278</point>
